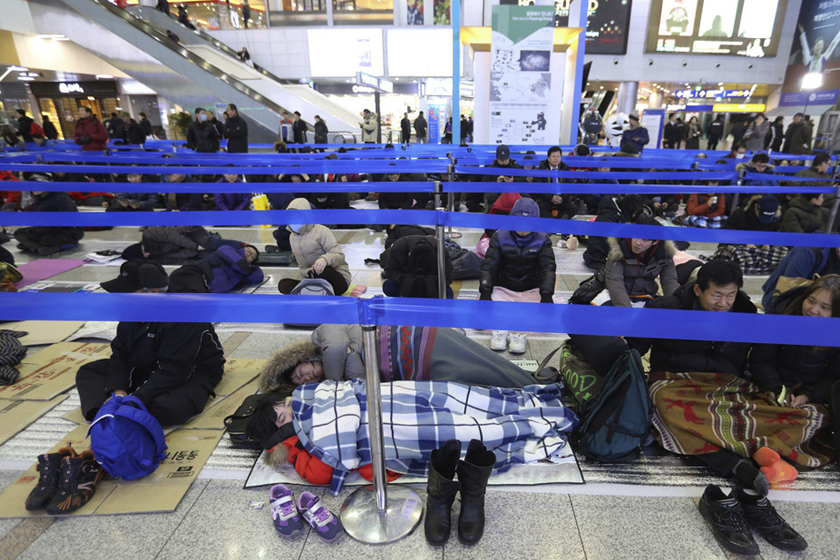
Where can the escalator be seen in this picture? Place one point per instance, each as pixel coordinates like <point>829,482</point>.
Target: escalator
<point>191,75</point>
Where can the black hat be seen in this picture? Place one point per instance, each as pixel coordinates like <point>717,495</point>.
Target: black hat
<point>129,279</point>
<point>152,276</point>
<point>137,274</point>
<point>190,279</point>
<point>767,206</point>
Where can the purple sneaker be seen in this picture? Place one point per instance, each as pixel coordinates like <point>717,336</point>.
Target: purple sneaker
<point>286,517</point>
<point>327,525</point>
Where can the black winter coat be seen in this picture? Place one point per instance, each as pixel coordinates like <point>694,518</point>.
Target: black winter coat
<point>803,217</point>
<point>203,137</point>
<point>236,131</point>
<point>807,370</point>
<point>167,355</point>
<point>59,202</point>
<point>597,249</point>
<point>695,355</point>
<point>744,219</point>
<point>519,263</point>
<point>135,134</point>
<point>398,262</point>
<point>24,128</point>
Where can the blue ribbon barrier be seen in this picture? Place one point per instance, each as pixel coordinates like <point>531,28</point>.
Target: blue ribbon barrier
<point>596,175</point>
<point>323,166</point>
<point>776,177</point>
<point>258,187</point>
<point>575,319</point>
<point>615,188</point>
<point>245,308</point>
<point>417,217</point>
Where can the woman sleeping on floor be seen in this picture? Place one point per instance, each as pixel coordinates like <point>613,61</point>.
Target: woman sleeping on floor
<point>335,352</point>
<point>322,429</point>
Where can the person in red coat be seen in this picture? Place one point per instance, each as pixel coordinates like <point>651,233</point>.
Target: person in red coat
<point>90,134</point>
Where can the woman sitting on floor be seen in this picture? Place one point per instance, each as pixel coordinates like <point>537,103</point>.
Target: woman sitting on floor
<point>405,353</point>
<point>633,265</point>
<point>317,253</point>
<point>807,374</point>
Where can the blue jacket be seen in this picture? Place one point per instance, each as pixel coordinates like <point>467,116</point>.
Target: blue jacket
<point>631,146</point>
<point>230,268</point>
<point>232,201</point>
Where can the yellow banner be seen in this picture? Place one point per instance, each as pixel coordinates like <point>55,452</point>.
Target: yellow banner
<point>733,108</point>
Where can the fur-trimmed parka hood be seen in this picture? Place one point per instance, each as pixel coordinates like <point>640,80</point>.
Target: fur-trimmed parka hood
<point>666,247</point>
<point>285,360</point>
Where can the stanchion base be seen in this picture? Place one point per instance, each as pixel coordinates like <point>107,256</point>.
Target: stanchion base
<point>365,523</point>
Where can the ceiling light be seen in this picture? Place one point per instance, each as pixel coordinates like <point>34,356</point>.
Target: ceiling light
<point>33,75</point>
<point>18,69</point>
<point>602,87</point>
<point>104,77</point>
<point>26,79</point>
<point>720,84</point>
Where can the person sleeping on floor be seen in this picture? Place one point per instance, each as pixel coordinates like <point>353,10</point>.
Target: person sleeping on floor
<point>322,429</point>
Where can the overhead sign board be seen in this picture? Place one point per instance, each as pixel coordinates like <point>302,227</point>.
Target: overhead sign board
<point>378,84</point>
<point>714,93</point>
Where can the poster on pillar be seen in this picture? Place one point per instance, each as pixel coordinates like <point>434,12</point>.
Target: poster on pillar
<point>521,108</point>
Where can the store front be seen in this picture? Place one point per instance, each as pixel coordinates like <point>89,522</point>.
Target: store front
<point>61,101</point>
<point>392,105</point>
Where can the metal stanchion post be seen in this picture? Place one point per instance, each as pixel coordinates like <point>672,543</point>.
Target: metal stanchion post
<point>437,194</point>
<point>450,171</point>
<point>834,207</point>
<point>441,257</point>
<point>735,198</point>
<point>375,514</point>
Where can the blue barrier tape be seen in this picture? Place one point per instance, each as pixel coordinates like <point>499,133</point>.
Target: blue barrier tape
<point>775,177</point>
<point>324,166</point>
<point>259,308</point>
<point>257,187</point>
<point>247,308</point>
<point>617,175</point>
<point>417,217</point>
<point>614,188</point>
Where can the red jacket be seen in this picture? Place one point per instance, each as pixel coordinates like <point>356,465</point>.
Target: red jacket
<point>93,129</point>
<point>315,471</point>
<point>698,205</point>
<point>8,196</point>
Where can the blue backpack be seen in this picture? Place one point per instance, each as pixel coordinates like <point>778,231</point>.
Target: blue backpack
<point>126,440</point>
<point>616,419</point>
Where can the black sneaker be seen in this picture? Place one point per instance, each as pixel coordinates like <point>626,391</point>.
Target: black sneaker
<point>49,467</point>
<point>726,519</point>
<point>79,476</point>
<point>761,516</point>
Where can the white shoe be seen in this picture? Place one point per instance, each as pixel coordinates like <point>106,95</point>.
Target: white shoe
<point>498,340</point>
<point>517,343</point>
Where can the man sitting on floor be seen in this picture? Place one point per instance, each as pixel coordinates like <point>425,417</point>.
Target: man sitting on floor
<point>171,367</point>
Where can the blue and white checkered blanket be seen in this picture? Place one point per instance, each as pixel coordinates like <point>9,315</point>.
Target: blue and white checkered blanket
<point>519,426</point>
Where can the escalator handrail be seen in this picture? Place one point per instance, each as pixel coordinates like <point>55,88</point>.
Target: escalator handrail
<point>152,32</point>
<point>209,38</point>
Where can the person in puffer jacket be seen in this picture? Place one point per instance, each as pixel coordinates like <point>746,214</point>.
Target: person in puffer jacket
<point>518,266</point>
<point>232,267</point>
<point>633,266</point>
<point>317,253</point>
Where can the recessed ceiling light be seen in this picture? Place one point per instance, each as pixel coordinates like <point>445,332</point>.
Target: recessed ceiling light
<point>26,79</point>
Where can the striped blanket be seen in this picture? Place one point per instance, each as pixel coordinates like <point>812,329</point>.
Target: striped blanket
<point>520,426</point>
<point>696,413</point>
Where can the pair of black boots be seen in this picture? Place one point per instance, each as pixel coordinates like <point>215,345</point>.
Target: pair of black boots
<point>473,473</point>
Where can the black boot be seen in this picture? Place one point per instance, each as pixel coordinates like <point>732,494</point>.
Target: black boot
<point>473,473</point>
<point>440,492</point>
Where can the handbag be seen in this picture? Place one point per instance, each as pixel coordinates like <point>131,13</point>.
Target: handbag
<point>589,289</point>
<point>237,423</point>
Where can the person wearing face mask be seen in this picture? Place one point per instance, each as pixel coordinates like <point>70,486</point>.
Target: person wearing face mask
<point>317,252</point>
<point>633,265</point>
<point>738,151</point>
<point>202,136</point>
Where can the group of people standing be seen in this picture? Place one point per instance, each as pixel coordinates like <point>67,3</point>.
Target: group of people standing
<point>755,133</point>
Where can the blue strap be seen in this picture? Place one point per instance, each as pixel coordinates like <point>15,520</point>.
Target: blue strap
<point>416,217</point>
<point>575,319</point>
<point>248,188</point>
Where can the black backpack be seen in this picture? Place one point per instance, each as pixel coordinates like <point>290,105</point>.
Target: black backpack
<point>616,420</point>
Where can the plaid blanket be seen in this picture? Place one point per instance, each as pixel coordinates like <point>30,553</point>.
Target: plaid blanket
<point>520,426</point>
<point>753,260</point>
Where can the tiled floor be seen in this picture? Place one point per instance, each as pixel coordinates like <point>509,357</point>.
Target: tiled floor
<point>218,519</point>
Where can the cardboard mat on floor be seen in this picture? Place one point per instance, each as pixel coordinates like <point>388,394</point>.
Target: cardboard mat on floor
<point>17,414</point>
<point>237,383</point>
<point>187,452</point>
<point>52,371</point>
<point>564,471</point>
<point>43,332</point>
